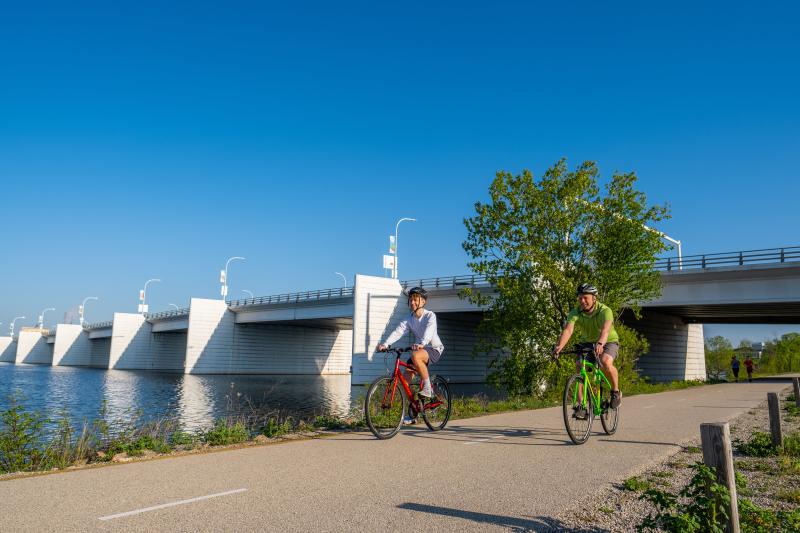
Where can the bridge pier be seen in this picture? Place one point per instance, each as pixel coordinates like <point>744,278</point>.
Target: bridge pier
<point>134,345</point>
<point>676,348</point>
<point>71,346</point>
<point>218,344</point>
<point>8,350</point>
<point>32,348</point>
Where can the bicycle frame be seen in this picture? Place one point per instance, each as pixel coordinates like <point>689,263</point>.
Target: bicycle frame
<point>597,378</point>
<point>397,376</point>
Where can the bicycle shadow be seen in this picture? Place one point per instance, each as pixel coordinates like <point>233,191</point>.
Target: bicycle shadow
<point>539,523</point>
<point>497,434</point>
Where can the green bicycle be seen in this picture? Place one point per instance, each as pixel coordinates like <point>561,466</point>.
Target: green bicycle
<point>586,396</point>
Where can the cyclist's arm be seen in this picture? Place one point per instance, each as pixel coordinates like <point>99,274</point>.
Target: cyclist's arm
<point>565,335</point>
<point>430,331</point>
<point>605,331</point>
<point>398,332</point>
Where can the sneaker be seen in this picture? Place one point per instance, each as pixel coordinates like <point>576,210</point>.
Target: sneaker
<point>580,413</point>
<point>616,398</point>
<point>426,392</point>
<point>409,420</point>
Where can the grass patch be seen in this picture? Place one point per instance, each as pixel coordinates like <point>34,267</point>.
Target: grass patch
<point>693,449</point>
<point>759,445</point>
<point>635,484</point>
<point>791,496</point>
<point>225,432</point>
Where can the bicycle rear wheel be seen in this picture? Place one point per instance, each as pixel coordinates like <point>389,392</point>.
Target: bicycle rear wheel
<point>436,412</point>
<point>609,416</point>
<point>384,408</point>
<point>578,415</point>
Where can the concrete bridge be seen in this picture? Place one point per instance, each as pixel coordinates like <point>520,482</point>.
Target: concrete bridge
<point>335,331</point>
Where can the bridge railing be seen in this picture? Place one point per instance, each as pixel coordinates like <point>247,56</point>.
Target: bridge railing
<point>447,282</point>
<point>99,325</point>
<point>746,257</point>
<point>294,297</point>
<point>168,314</point>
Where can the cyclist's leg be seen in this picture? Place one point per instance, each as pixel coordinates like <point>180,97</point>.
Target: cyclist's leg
<point>610,371</point>
<point>420,359</point>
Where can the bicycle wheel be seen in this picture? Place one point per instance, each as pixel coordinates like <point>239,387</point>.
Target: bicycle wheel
<point>609,416</point>
<point>578,415</point>
<point>384,408</point>
<point>437,415</point>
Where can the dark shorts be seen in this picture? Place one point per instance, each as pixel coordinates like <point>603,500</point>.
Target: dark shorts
<point>611,349</point>
<point>433,356</point>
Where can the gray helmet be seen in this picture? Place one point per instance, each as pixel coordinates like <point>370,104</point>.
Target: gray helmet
<point>586,288</point>
<point>418,290</point>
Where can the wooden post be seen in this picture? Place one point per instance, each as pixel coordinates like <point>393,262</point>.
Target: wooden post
<point>775,419</point>
<point>717,453</point>
<point>796,383</point>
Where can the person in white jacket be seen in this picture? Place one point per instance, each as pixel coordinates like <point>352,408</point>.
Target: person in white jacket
<point>427,348</point>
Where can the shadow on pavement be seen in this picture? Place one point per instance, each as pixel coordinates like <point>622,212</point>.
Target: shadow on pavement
<point>511,522</point>
<point>466,434</point>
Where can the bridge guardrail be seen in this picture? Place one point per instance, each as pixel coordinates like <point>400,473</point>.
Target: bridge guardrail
<point>745,257</point>
<point>447,282</point>
<point>167,314</point>
<point>99,325</point>
<point>293,297</point>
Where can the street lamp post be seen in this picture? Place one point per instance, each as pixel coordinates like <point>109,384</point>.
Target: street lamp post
<point>143,295</point>
<point>344,279</point>
<point>41,317</point>
<point>176,307</point>
<point>249,292</point>
<point>82,308</point>
<point>223,276</point>
<point>397,245</point>
<point>11,328</point>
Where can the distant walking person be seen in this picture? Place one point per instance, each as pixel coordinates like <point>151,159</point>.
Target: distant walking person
<point>748,365</point>
<point>735,368</point>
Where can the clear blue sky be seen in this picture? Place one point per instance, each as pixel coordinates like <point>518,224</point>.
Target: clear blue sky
<point>155,140</point>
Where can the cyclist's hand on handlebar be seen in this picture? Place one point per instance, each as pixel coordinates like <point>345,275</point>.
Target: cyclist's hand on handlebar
<point>382,348</point>
<point>556,351</point>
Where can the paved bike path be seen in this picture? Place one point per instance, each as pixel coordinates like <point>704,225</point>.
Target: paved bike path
<point>498,472</point>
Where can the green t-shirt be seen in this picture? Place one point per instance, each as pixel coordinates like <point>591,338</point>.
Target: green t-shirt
<point>591,325</point>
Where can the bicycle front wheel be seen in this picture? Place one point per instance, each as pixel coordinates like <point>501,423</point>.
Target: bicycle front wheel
<point>609,416</point>
<point>578,413</point>
<point>436,412</point>
<point>384,408</point>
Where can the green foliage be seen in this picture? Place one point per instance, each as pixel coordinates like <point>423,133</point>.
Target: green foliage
<point>700,506</point>
<point>759,445</point>
<point>718,353</point>
<point>274,428</point>
<point>183,439</point>
<point>635,484</point>
<point>791,445</point>
<point>20,435</point>
<point>535,241</point>
<point>226,432</point>
<point>755,519</point>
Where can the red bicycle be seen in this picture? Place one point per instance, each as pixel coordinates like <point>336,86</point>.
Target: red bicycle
<point>387,403</point>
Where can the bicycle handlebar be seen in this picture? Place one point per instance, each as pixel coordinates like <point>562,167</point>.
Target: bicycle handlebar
<point>398,351</point>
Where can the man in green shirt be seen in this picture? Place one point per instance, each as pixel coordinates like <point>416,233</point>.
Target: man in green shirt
<point>596,325</point>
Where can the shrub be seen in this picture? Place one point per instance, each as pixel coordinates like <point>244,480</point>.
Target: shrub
<point>759,445</point>
<point>226,432</point>
<point>273,428</point>
<point>20,438</point>
<point>634,484</point>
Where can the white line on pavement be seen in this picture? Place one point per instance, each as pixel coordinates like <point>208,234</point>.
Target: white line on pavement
<point>484,440</point>
<point>170,504</point>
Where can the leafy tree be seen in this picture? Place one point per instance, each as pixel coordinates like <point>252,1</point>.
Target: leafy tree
<point>535,240</point>
<point>719,351</point>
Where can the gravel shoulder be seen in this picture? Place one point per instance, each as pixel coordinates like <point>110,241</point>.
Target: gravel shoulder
<point>617,508</point>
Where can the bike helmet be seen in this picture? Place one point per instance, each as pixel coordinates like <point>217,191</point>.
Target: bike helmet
<point>418,290</point>
<point>586,288</point>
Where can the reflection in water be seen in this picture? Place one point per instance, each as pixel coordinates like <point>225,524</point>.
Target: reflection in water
<point>196,401</point>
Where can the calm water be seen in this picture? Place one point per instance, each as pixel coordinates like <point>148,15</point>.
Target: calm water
<point>196,401</point>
